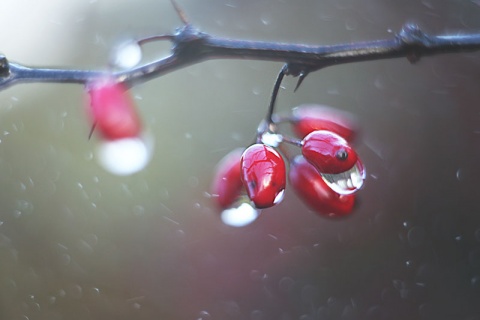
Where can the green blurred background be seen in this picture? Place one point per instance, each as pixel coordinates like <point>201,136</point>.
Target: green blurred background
<point>79,243</point>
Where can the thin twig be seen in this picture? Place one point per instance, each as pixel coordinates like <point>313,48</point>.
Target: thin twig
<point>191,46</point>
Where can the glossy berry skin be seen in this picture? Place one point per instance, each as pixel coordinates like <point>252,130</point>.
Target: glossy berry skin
<point>328,152</point>
<point>227,183</point>
<point>263,175</point>
<point>112,110</point>
<point>311,117</point>
<point>315,193</point>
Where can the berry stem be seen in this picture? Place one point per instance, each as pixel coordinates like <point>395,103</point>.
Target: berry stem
<point>273,99</point>
<point>269,124</point>
<point>292,141</point>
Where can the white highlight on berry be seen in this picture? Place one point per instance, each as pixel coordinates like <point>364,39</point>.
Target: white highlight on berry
<point>124,156</point>
<point>127,55</point>
<point>240,216</point>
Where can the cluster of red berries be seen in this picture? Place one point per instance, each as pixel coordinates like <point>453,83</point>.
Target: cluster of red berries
<point>325,176</point>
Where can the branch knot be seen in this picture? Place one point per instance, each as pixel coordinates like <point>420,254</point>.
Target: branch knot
<point>417,40</point>
<point>188,40</point>
<point>4,66</point>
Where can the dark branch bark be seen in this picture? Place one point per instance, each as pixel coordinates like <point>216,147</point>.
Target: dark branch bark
<point>191,46</point>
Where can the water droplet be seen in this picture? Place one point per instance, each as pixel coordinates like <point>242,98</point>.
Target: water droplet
<point>240,216</point>
<point>266,19</point>
<point>256,275</point>
<point>138,210</point>
<point>204,315</point>
<point>477,234</point>
<point>88,156</point>
<point>474,258</point>
<point>22,187</point>
<point>65,259</point>
<point>232,309</point>
<point>17,214</point>
<point>279,197</point>
<point>272,139</point>
<point>193,181</point>
<point>124,156</point>
<point>286,284</point>
<point>351,24</point>
<point>309,293</point>
<point>91,239</point>
<point>347,182</point>
<point>127,55</point>
<point>94,291</point>
<point>75,291</point>
<point>409,264</point>
<point>257,91</point>
<point>475,282</point>
<point>379,82</point>
<point>416,236</point>
<point>180,234</point>
<point>256,315</point>
<point>459,174</point>
<point>84,247</point>
<point>24,207</point>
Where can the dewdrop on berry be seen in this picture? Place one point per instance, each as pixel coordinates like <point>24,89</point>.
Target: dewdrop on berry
<point>241,214</point>
<point>125,156</point>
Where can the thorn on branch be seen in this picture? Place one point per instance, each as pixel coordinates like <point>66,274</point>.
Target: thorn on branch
<point>181,14</point>
<point>300,80</point>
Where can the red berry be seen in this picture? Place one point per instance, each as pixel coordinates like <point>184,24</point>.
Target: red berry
<point>310,117</point>
<point>312,189</point>
<point>227,183</point>
<point>112,110</point>
<point>328,152</point>
<point>263,175</point>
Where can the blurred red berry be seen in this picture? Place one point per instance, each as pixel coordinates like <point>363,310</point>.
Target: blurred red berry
<point>317,195</point>
<point>112,110</point>
<point>328,152</point>
<point>227,182</point>
<point>311,117</point>
<point>263,175</point>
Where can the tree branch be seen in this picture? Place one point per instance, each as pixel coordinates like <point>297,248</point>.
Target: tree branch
<point>191,46</point>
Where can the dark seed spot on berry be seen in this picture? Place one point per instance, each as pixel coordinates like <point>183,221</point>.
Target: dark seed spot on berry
<point>342,155</point>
